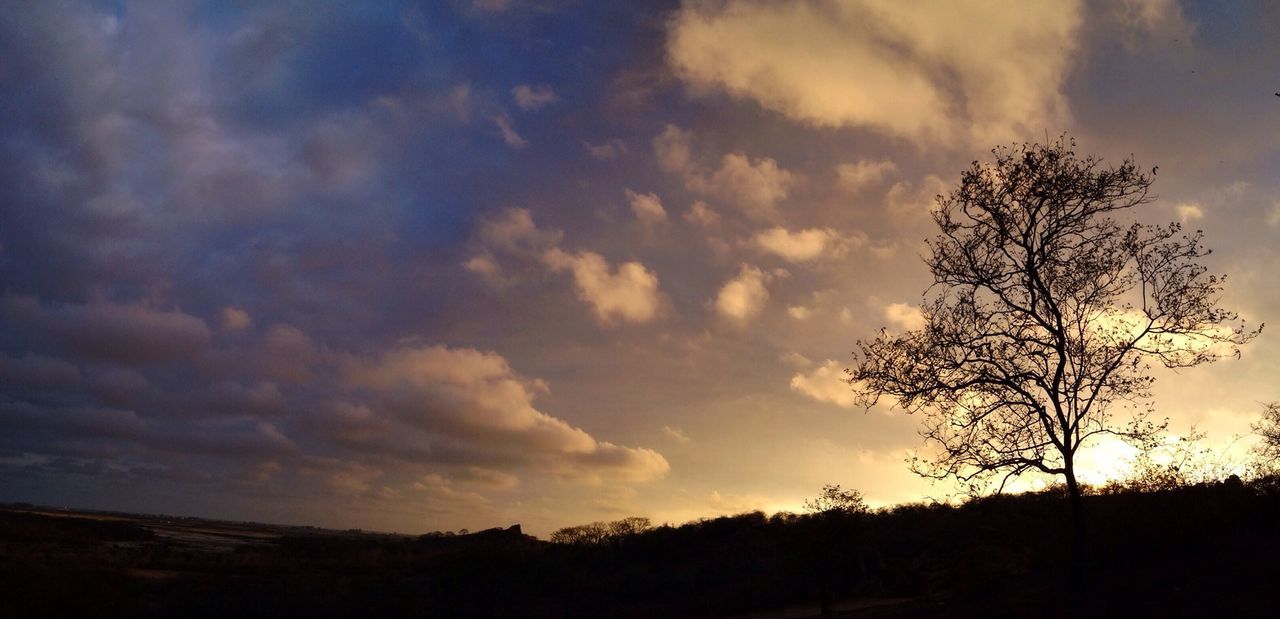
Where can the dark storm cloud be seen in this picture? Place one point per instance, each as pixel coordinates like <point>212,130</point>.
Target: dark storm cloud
<point>21,418</point>
<point>106,331</point>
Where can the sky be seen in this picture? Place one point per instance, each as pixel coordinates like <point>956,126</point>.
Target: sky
<point>415,266</point>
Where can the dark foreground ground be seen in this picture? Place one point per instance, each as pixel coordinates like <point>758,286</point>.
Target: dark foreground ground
<point>1205,551</point>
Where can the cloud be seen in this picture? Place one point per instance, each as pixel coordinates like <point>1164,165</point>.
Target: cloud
<point>18,418</point>
<point>533,97</point>
<point>342,476</point>
<point>438,490</point>
<point>754,186</point>
<point>1164,16</point>
<point>628,293</point>
<point>37,372</point>
<point>923,72</point>
<point>677,435</point>
<point>475,401</point>
<point>288,354</point>
<point>258,399</point>
<point>735,503</point>
<point>610,149</point>
<point>795,359</point>
<point>107,331</point>
<point>855,176</point>
<point>907,203</point>
<point>744,296</point>
<point>804,245</point>
<point>671,147</point>
<point>508,131</point>
<point>1189,212</point>
<point>647,207</point>
<point>904,317</point>
<point>485,477</point>
<point>487,267</point>
<point>227,437</point>
<point>1273,218</point>
<point>701,214</point>
<point>825,383</point>
<point>513,230</point>
<point>341,150</point>
<point>235,319</point>
<point>117,386</point>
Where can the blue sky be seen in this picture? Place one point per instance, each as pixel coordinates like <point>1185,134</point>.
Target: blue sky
<point>418,266</point>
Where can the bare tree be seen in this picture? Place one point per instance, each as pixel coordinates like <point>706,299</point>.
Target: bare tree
<point>1043,319</point>
<point>1268,427</point>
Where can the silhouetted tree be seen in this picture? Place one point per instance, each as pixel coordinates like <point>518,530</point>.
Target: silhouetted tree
<point>1182,462</point>
<point>1044,314</point>
<point>583,534</point>
<point>834,500</point>
<point>1268,427</point>
<point>600,532</point>
<point>836,507</point>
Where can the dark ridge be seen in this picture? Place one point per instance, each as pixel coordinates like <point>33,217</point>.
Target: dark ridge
<point>1201,550</point>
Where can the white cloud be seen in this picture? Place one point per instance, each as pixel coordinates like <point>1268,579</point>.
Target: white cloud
<point>509,134</point>
<point>804,245</point>
<point>799,312</point>
<point>533,97</point>
<point>904,317</point>
<point>855,176</point>
<point>1273,218</point>
<point>628,293</point>
<point>1189,212</point>
<point>647,207</point>
<point>743,297</point>
<point>927,72</point>
<point>825,383</point>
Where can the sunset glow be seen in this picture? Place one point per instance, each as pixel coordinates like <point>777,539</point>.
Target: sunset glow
<point>429,266</point>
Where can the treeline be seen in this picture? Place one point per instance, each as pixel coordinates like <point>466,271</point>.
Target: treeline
<point>1197,549</point>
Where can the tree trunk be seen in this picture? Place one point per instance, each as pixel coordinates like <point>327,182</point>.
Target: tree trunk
<point>1077,530</point>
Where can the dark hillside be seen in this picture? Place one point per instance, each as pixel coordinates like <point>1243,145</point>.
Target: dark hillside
<point>1202,550</point>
